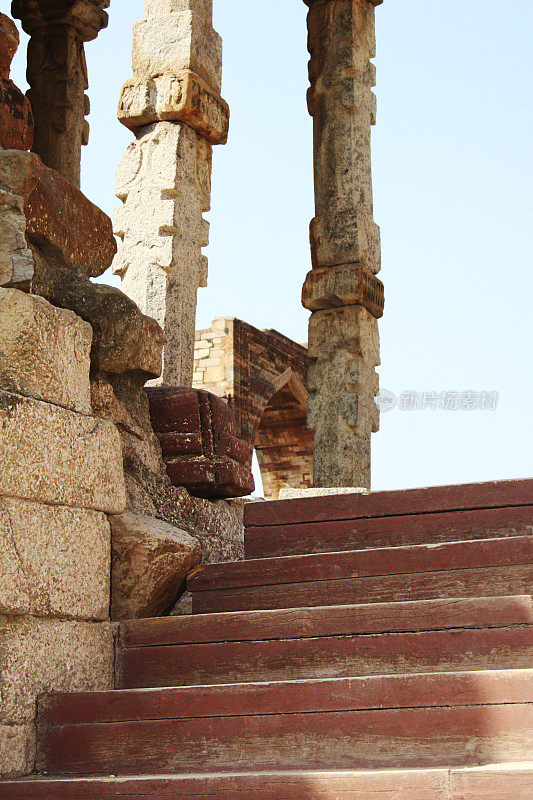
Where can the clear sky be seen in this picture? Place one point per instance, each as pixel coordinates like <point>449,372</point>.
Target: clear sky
<point>452,182</point>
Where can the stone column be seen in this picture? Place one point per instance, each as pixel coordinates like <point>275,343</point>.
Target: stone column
<point>57,74</point>
<point>341,290</point>
<point>174,107</point>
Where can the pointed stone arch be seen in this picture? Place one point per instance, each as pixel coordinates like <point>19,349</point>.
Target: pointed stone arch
<point>262,375</point>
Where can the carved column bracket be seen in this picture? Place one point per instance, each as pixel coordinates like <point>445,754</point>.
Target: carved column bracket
<point>346,285</point>
<point>184,97</point>
<point>57,74</point>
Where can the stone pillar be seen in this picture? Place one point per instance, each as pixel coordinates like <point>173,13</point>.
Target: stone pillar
<point>57,74</point>
<point>174,107</point>
<point>341,290</point>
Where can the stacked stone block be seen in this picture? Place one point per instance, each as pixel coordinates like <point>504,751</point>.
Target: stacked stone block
<point>174,107</point>
<point>62,475</point>
<point>342,290</point>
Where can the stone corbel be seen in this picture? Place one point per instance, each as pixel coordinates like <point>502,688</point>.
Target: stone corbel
<point>344,285</point>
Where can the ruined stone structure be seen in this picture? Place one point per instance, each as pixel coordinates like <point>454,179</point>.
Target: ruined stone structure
<point>341,291</point>
<point>174,107</point>
<point>91,528</point>
<point>262,376</point>
<point>380,643</point>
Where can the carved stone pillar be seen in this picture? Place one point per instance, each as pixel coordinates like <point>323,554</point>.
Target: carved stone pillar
<point>57,74</point>
<point>174,107</point>
<point>341,290</point>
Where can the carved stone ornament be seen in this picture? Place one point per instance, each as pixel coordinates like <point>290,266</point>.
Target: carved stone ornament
<point>197,433</point>
<point>184,97</point>
<point>346,285</point>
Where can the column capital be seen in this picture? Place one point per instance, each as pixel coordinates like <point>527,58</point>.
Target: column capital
<point>87,17</point>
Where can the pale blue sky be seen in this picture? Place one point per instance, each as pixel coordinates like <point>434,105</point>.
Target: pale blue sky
<point>452,182</point>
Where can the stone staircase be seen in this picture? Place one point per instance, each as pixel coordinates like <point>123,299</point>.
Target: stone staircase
<point>371,648</point>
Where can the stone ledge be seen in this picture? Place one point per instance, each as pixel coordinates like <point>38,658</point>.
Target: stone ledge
<point>59,457</point>
<point>57,214</point>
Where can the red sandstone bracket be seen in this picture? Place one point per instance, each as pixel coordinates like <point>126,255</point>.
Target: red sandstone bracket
<point>197,434</point>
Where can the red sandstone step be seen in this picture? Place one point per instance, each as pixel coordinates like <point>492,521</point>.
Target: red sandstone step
<point>485,567</point>
<point>500,782</point>
<point>452,719</point>
<point>271,541</point>
<point>436,499</point>
<point>335,641</point>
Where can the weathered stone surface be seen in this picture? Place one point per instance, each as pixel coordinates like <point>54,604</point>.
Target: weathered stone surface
<point>16,259</point>
<point>164,182</point>
<point>17,750</point>
<point>56,456</point>
<point>44,351</point>
<point>344,285</point>
<point>197,434</point>
<point>16,118</point>
<point>57,74</point>
<point>151,560</point>
<point>345,248</point>
<point>344,236</point>
<point>350,328</point>
<point>14,589</point>
<point>9,42</point>
<point>342,413</point>
<point>293,494</point>
<point>175,35</point>
<point>184,97</point>
<point>39,655</point>
<point>52,547</point>
<point>58,215</point>
<point>125,340</point>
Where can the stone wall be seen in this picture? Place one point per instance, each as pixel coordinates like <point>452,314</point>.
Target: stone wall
<point>262,376</point>
<point>62,477</point>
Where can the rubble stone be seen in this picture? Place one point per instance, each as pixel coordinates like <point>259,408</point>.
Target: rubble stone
<point>56,456</point>
<point>151,560</point>
<point>16,260</point>
<point>44,351</point>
